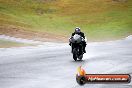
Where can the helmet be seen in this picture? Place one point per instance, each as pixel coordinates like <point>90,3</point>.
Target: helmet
<point>77,30</point>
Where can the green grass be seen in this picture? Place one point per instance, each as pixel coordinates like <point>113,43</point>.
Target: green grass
<point>99,19</point>
<point>8,44</point>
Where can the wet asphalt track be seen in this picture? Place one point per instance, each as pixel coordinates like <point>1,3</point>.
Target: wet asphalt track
<point>51,65</point>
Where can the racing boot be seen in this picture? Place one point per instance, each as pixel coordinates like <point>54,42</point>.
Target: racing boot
<point>84,50</point>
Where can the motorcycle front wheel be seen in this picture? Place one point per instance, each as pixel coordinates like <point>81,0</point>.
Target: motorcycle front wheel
<point>75,54</point>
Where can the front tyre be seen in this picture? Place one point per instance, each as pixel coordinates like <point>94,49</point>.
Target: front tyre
<point>75,54</point>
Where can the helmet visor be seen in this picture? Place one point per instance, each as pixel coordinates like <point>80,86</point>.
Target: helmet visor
<point>77,30</point>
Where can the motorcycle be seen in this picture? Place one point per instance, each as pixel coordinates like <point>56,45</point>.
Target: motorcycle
<point>77,46</point>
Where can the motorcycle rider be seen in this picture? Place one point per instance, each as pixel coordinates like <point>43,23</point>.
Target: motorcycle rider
<point>78,31</point>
